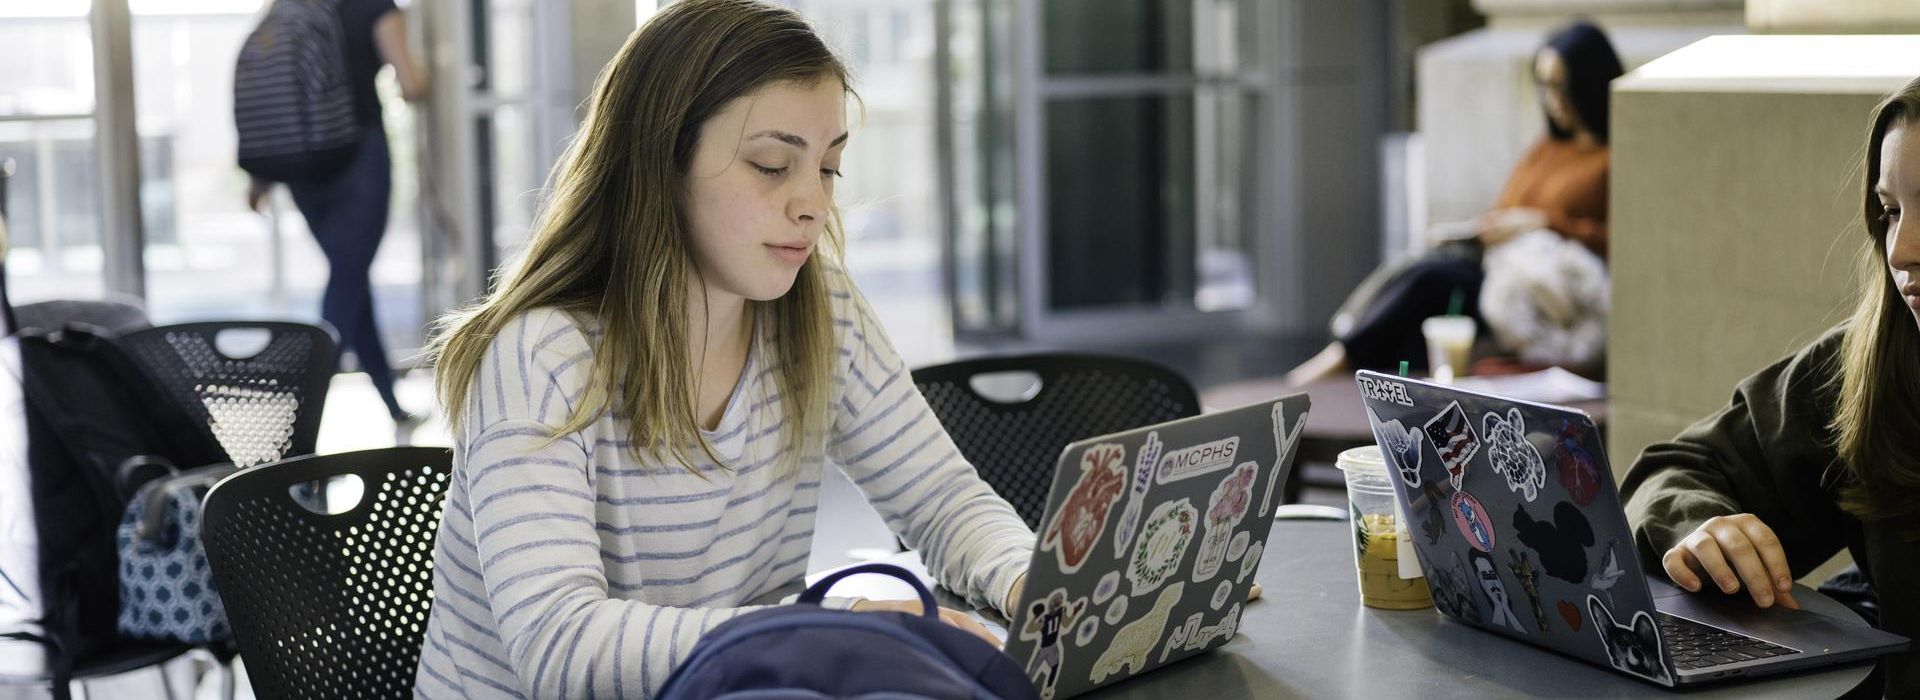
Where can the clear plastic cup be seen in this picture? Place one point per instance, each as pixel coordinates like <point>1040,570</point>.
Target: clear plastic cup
<point>1380,537</point>
<point>1449,345</point>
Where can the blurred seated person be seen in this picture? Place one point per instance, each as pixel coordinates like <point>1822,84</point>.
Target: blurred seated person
<point>1554,206</point>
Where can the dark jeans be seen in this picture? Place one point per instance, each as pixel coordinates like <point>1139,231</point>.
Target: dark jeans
<point>1386,310</point>
<point>347,213</point>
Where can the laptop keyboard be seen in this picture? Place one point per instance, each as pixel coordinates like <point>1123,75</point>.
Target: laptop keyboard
<point>1693,645</point>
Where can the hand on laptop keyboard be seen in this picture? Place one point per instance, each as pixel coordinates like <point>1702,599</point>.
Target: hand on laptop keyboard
<point>948,615</point>
<point>1733,550</point>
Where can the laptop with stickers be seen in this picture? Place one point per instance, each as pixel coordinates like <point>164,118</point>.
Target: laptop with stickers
<point>1520,532</point>
<point>1149,545</point>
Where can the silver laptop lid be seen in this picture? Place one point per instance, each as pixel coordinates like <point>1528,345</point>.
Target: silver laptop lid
<point>1149,545</point>
<point>1516,521</point>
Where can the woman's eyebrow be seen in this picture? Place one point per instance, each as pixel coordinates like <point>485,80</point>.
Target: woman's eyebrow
<point>793,139</point>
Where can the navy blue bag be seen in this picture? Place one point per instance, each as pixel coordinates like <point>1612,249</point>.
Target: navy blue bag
<point>806,651</point>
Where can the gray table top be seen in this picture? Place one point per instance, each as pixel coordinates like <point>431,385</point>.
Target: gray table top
<point>1309,637</point>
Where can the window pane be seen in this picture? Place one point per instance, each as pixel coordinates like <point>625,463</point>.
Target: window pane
<point>983,228</point>
<point>1148,36</point>
<point>1228,170</point>
<point>48,59</point>
<point>1119,200</point>
<point>890,196</point>
<point>516,180</point>
<point>1102,36</point>
<point>509,60</point>
<point>1147,202</point>
<point>207,255</point>
<point>52,205</point>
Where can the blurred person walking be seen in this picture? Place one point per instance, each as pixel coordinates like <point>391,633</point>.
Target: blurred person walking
<point>308,116</point>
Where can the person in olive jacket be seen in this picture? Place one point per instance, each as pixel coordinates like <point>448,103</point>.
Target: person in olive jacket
<point>1821,450</point>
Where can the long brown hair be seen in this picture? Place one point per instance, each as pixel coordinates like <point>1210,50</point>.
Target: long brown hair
<point>612,242</point>
<point>1877,419</point>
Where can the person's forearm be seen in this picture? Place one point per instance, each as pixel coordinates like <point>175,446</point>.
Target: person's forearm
<point>390,38</point>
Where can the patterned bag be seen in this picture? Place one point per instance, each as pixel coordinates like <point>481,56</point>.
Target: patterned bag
<point>166,587</point>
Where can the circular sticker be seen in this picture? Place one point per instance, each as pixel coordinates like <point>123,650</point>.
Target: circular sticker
<point>1472,519</point>
<point>1117,611</point>
<point>1109,584</point>
<point>1221,593</point>
<point>1089,626</point>
<point>1252,562</point>
<point>1237,547</point>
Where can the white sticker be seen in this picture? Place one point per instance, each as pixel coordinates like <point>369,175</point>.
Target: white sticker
<point>1109,585</point>
<point>1400,446</point>
<point>1220,594</point>
<point>1511,456</point>
<point>1279,453</point>
<point>1117,611</point>
<point>1238,547</point>
<point>1409,559</point>
<point>1134,642</point>
<point>1148,455</point>
<point>1252,562</point>
<point>1225,508</point>
<point>1451,434</point>
<point>1193,636</point>
<point>1200,459</point>
<point>1089,627</point>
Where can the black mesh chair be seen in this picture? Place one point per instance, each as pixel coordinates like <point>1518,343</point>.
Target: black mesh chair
<point>329,606</point>
<point>123,658</point>
<point>260,403</point>
<point>116,316</point>
<point>1015,441</point>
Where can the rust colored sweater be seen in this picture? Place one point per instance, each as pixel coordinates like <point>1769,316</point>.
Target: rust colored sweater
<point>1567,181</point>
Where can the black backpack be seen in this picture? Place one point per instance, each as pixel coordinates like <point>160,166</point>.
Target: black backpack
<point>292,98</point>
<point>806,651</point>
<point>97,429</point>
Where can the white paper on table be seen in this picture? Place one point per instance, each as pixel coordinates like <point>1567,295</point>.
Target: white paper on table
<point>1552,385</point>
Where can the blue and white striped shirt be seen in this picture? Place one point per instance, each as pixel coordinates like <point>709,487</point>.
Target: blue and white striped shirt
<point>565,568</point>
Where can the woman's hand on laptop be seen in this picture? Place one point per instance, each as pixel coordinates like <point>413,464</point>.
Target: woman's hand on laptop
<point>948,615</point>
<point>1013,596</point>
<point>1733,550</point>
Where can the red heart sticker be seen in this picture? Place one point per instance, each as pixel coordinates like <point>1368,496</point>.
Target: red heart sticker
<point>1570,613</point>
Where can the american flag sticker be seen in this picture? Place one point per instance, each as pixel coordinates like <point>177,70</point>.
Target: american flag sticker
<point>1452,437</point>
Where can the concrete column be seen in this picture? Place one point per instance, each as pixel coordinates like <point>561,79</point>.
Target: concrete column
<point>1736,225</point>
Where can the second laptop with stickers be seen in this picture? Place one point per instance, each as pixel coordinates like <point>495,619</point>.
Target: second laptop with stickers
<point>1523,535</point>
<point>1149,545</point>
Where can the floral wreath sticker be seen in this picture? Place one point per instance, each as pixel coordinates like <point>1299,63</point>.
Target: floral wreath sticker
<point>1163,543</point>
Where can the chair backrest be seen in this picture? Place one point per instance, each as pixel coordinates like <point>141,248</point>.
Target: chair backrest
<point>115,316</point>
<point>329,606</point>
<point>1015,444</point>
<point>257,387</point>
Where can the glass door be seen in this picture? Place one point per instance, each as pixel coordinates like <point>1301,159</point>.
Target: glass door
<point>503,109</point>
<point>1110,157</point>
